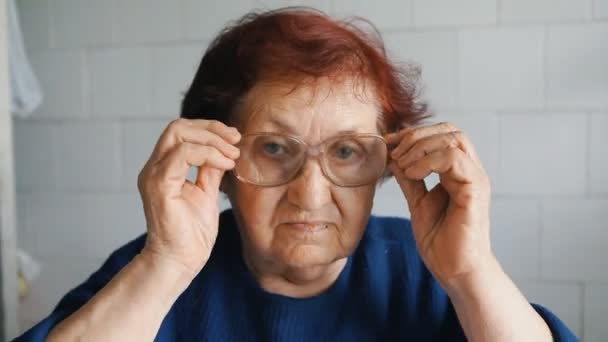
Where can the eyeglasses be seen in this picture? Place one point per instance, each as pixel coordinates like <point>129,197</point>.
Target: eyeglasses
<point>269,159</point>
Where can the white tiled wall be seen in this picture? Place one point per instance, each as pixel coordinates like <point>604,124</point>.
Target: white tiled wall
<point>204,19</point>
<point>527,80</point>
<point>393,14</point>
<point>598,158</point>
<point>565,298</point>
<point>501,67</point>
<point>542,154</point>
<point>65,97</point>
<point>454,13</point>
<point>576,70</point>
<point>548,11</point>
<point>574,236</point>
<point>600,9</point>
<point>521,230</point>
<point>174,66</point>
<point>121,81</point>
<point>596,311</point>
<point>80,23</point>
<point>436,50</point>
<point>140,22</point>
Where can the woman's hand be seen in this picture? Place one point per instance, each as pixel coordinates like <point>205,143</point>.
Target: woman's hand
<point>451,221</point>
<point>182,217</point>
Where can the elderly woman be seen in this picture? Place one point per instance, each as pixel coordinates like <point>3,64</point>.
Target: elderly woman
<point>297,118</point>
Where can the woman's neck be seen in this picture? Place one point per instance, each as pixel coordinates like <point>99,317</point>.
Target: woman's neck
<point>294,282</point>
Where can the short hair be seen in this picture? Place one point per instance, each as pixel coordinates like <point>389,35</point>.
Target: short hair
<point>297,43</point>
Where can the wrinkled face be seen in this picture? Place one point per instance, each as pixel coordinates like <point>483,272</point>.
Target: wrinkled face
<point>309,221</point>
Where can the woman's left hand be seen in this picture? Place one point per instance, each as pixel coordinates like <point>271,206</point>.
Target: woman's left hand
<point>451,222</point>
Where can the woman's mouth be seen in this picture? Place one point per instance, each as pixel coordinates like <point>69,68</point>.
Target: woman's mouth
<point>309,226</point>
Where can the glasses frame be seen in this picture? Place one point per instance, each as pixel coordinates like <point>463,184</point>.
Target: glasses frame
<point>314,152</point>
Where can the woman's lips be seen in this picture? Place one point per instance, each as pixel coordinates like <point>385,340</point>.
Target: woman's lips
<point>309,226</point>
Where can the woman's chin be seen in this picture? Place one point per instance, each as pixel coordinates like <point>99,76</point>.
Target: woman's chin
<point>307,257</point>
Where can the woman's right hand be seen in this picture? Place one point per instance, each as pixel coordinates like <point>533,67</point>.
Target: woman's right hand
<point>182,216</point>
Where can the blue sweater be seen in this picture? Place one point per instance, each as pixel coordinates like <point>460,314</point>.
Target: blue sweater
<point>384,293</point>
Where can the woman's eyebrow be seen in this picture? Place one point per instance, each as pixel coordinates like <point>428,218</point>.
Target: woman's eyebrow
<point>293,131</point>
<point>284,126</point>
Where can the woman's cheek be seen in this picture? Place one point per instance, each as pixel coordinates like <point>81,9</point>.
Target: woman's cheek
<point>355,205</point>
<point>260,209</point>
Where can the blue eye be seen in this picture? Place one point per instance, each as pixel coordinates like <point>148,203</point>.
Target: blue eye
<point>273,148</point>
<point>344,152</point>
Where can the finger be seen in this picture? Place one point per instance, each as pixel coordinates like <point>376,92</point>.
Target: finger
<point>457,172</point>
<point>174,168</point>
<point>428,145</point>
<point>453,162</point>
<point>204,132</point>
<point>409,138</point>
<point>436,202</point>
<point>193,193</point>
<point>209,178</point>
<point>395,137</point>
<point>458,175</point>
<point>414,190</point>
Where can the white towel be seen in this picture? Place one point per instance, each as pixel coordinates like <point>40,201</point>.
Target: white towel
<point>25,90</point>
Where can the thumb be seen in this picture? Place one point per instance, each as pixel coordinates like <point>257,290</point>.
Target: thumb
<point>413,189</point>
<point>209,178</point>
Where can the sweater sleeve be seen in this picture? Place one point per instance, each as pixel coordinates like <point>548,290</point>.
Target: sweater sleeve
<point>559,330</point>
<point>81,294</point>
<point>421,288</point>
<point>561,333</point>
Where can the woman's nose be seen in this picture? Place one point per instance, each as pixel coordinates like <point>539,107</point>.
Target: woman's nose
<point>310,190</point>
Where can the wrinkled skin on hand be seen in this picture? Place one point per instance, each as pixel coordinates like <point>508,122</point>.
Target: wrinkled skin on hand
<point>182,216</point>
<point>451,221</point>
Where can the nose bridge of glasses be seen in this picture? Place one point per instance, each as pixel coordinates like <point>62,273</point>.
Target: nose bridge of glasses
<point>313,160</point>
<point>314,151</point>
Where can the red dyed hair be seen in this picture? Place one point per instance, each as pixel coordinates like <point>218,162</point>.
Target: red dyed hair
<point>298,44</point>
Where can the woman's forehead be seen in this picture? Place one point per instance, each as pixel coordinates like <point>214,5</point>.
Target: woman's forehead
<point>321,106</point>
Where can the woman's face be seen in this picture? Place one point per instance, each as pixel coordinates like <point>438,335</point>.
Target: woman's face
<point>309,221</point>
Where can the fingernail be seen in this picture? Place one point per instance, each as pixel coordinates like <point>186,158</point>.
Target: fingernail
<point>236,134</point>
<point>237,152</point>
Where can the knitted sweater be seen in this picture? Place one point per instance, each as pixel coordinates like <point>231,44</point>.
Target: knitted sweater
<point>383,293</point>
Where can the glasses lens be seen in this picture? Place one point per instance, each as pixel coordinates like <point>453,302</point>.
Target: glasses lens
<point>355,160</point>
<point>268,159</point>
